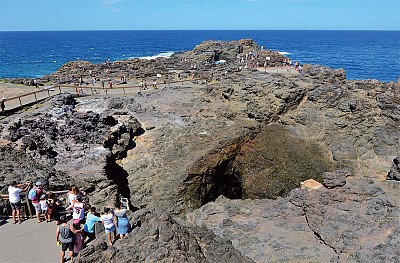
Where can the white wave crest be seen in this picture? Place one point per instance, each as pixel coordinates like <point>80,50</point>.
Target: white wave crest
<point>161,55</point>
<point>283,53</point>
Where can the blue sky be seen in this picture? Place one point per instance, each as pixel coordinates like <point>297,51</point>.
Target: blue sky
<point>194,14</point>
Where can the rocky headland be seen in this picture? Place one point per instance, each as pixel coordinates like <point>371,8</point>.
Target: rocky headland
<point>213,168</point>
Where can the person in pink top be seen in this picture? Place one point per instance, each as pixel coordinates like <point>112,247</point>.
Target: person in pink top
<point>36,199</point>
<point>78,239</point>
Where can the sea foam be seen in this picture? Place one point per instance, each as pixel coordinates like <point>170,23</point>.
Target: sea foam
<point>161,55</point>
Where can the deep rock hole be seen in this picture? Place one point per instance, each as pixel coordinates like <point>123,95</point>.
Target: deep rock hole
<point>267,166</point>
<point>224,181</point>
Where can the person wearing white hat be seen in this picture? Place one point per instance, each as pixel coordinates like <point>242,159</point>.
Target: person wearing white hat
<point>34,196</point>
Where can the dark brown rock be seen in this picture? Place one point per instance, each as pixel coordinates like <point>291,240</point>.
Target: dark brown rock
<point>163,239</point>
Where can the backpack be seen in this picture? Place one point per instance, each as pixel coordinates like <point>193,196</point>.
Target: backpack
<point>32,195</point>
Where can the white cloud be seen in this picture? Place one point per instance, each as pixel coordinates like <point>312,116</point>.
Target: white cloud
<point>110,2</point>
<point>110,5</point>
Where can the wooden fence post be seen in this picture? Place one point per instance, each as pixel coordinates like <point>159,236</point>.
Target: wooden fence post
<point>59,88</point>
<point>35,96</point>
<point>48,92</point>
<point>28,205</point>
<point>20,102</point>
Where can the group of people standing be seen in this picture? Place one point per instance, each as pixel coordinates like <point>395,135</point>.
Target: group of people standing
<point>37,196</point>
<point>71,236</point>
<point>74,236</point>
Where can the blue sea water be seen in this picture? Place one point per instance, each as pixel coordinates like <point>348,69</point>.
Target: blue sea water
<point>364,54</point>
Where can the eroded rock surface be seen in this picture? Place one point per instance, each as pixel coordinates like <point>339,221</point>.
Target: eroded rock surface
<point>163,239</point>
<point>242,134</point>
<point>357,222</point>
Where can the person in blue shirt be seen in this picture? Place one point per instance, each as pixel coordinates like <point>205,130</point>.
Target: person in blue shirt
<point>91,220</point>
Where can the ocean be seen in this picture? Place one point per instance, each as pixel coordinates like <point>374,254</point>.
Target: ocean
<point>363,54</point>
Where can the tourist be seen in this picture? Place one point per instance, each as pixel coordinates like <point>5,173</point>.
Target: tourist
<point>64,234</point>
<point>34,196</point>
<point>44,207</point>
<point>15,199</point>
<point>2,104</point>
<point>108,221</point>
<point>73,192</point>
<point>78,210</point>
<point>121,220</point>
<point>54,207</point>
<point>94,90</point>
<point>300,69</point>
<point>91,220</point>
<point>78,239</point>
<point>296,65</point>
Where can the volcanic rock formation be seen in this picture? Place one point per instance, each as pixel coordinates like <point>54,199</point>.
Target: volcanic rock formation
<point>222,159</point>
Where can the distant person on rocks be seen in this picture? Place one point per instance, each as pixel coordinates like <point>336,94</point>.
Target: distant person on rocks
<point>34,195</point>
<point>300,69</point>
<point>91,220</point>
<point>121,220</point>
<point>15,199</point>
<point>2,104</point>
<point>108,221</point>
<point>64,234</point>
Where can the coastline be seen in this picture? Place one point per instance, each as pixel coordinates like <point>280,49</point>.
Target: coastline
<point>336,49</point>
<point>225,156</point>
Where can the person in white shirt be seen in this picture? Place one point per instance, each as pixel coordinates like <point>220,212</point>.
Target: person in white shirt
<point>15,199</point>
<point>107,218</point>
<point>44,207</point>
<point>78,210</point>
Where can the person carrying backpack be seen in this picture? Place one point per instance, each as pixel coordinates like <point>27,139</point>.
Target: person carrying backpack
<point>34,195</point>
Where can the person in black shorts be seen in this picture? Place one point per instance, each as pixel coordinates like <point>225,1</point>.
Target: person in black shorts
<point>64,234</point>
<point>15,199</point>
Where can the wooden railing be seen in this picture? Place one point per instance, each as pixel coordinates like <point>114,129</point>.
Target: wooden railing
<point>27,210</point>
<point>40,95</point>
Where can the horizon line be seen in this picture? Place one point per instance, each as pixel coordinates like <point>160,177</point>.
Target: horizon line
<point>82,30</point>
